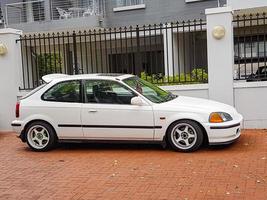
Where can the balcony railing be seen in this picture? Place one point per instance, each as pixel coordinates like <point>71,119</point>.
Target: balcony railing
<point>43,10</point>
<point>63,9</point>
<point>25,12</point>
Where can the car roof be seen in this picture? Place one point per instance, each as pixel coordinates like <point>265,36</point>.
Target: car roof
<point>103,76</point>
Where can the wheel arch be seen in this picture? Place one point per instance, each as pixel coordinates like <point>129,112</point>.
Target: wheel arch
<point>23,133</point>
<point>206,139</point>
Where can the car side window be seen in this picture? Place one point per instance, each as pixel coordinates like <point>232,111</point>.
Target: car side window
<point>107,92</point>
<point>68,91</point>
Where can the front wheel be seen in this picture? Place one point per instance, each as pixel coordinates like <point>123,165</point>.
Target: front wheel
<point>185,136</point>
<point>40,136</point>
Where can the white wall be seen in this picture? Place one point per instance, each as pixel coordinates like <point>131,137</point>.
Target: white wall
<point>246,4</point>
<point>194,90</point>
<point>10,65</point>
<point>250,101</point>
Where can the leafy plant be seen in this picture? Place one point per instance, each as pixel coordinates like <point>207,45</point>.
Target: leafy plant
<point>197,75</point>
<point>48,64</point>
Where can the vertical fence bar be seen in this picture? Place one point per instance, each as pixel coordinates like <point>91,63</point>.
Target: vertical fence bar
<point>36,57</point>
<point>150,53</point>
<point>116,50</point>
<point>172,38</point>
<point>111,54</point>
<point>126,49</point>
<point>96,58</point>
<point>167,52</point>
<point>59,52</point>
<point>31,60</point>
<point>27,62</point>
<point>264,41</point>
<point>156,52</point>
<point>81,54</point>
<point>132,49</point>
<point>178,51</point>
<point>86,51</point>
<point>23,66</point>
<point>194,52</point>
<point>91,51</point>
<point>258,43</point>
<point>245,51</point>
<point>101,53</point>
<point>76,69</point>
<point>238,45</point>
<point>64,53</point>
<point>145,52</point>
<point>251,41</point>
<point>183,26</point>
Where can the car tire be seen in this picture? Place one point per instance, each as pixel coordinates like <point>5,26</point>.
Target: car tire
<point>40,136</point>
<point>185,136</point>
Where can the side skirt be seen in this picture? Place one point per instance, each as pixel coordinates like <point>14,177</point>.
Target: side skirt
<point>110,141</point>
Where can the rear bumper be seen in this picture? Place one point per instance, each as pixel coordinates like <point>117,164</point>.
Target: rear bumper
<point>224,133</point>
<point>17,127</point>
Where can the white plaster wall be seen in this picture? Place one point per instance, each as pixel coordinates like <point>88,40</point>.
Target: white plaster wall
<point>246,4</point>
<point>196,90</point>
<point>250,101</point>
<point>10,65</point>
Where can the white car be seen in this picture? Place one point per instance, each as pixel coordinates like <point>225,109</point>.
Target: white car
<point>117,107</point>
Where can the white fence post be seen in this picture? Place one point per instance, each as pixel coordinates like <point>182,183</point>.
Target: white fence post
<point>10,78</point>
<point>220,54</point>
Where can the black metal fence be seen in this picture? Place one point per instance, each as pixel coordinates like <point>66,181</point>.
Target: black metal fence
<point>171,53</point>
<point>250,46</point>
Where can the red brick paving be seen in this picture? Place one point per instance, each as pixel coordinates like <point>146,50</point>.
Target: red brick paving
<point>138,172</point>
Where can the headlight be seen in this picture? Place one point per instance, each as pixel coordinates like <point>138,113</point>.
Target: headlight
<point>218,117</point>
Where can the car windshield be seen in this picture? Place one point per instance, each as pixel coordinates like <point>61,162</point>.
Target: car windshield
<point>148,90</point>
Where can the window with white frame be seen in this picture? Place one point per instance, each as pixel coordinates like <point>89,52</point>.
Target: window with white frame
<point>122,3</point>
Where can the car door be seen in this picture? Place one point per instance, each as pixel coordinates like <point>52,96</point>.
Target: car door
<point>107,113</point>
<point>62,104</point>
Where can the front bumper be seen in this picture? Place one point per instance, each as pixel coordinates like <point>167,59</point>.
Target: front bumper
<point>224,133</point>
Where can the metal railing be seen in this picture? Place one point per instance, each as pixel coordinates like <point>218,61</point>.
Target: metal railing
<point>41,10</point>
<point>250,44</point>
<point>25,12</point>
<point>171,53</point>
<point>63,9</point>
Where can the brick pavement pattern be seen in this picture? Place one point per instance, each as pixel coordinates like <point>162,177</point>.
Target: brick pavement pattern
<point>120,171</point>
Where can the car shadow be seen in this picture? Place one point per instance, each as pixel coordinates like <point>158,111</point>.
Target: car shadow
<point>108,146</point>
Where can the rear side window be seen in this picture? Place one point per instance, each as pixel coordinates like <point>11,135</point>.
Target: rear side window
<point>68,91</point>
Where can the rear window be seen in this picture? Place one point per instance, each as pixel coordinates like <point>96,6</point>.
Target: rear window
<point>33,91</point>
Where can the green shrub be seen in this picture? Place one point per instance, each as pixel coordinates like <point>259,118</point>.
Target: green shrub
<point>198,75</point>
<point>48,64</point>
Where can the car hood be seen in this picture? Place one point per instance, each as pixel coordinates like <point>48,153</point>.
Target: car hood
<point>199,104</point>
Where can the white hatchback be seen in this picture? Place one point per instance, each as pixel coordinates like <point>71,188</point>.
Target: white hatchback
<point>116,107</point>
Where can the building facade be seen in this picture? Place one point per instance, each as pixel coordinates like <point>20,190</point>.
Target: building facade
<point>60,15</point>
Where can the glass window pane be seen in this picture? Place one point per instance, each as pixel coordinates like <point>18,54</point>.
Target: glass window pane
<point>109,92</point>
<point>64,92</point>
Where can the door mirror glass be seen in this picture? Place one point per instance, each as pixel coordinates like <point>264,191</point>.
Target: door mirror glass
<point>137,101</point>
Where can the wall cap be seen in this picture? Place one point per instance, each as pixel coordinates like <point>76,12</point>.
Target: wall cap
<point>255,84</point>
<point>219,10</point>
<point>10,31</point>
<point>186,87</point>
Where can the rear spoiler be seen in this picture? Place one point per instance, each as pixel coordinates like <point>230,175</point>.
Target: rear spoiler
<point>48,78</point>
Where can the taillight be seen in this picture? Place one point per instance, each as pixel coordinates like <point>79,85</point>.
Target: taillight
<point>17,110</point>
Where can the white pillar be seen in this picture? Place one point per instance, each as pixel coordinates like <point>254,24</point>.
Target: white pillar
<point>10,68</point>
<point>220,55</point>
<point>168,48</point>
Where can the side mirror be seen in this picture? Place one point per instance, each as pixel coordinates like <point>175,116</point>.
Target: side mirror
<point>137,101</point>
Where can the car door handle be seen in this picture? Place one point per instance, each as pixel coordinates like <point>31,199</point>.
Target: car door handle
<point>92,111</point>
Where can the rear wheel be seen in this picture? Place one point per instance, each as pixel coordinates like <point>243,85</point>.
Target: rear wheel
<point>185,135</point>
<point>40,136</point>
